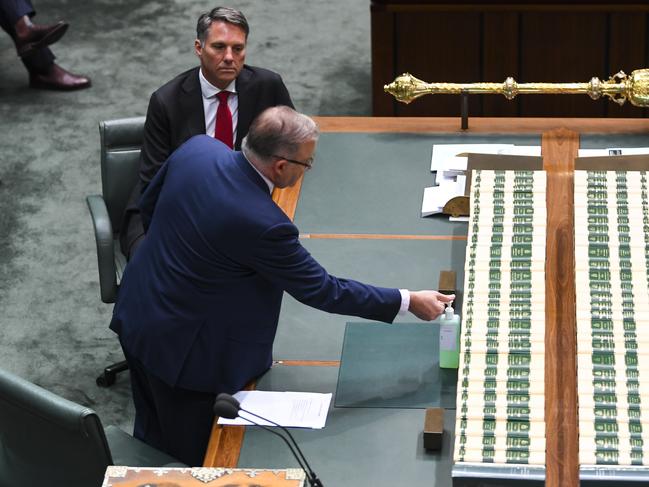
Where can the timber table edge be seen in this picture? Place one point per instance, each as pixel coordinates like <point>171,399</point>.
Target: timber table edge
<point>489,125</point>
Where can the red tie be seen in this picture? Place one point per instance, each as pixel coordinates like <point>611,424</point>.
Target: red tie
<point>223,130</point>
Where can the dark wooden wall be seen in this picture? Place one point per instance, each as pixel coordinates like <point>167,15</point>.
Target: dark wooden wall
<point>570,41</point>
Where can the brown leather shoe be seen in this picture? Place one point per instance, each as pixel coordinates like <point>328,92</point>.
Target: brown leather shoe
<point>58,79</point>
<point>30,37</point>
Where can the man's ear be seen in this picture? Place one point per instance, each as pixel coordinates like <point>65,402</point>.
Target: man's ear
<point>279,166</point>
<point>197,47</point>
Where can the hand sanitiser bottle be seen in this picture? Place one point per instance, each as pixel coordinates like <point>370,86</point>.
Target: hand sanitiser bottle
<point>449,339</point>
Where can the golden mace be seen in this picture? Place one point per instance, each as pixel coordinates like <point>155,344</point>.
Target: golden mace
<point>619,88</point>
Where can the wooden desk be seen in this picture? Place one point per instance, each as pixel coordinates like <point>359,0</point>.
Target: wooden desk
<point>559,139</point>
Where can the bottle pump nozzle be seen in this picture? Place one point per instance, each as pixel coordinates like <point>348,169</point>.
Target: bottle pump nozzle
<point>449,311</point>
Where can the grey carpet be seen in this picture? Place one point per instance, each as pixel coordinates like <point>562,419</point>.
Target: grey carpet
<point>53,326</point>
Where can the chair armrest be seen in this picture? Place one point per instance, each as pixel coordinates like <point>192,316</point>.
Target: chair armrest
<point>132,452</point>
<point>105,248</point>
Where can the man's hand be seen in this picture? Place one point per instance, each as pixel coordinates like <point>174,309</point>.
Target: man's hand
<point>428,305</point>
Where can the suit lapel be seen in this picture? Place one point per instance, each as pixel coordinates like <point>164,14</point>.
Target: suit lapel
<point>246,103</point>
<point>191,105</point>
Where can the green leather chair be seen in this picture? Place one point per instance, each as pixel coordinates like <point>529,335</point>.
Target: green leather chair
<point>48,440</point>
<point>120,141</point>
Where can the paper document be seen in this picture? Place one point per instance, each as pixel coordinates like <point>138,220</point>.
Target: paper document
<point>613,151</point>
<point>449,161</point>
<point>289,409</point>
<point>434,201</point>
<point>446,158</point>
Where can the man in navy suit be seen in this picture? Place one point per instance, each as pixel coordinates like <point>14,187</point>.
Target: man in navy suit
<point>188,105</point>
<point>199,303</point>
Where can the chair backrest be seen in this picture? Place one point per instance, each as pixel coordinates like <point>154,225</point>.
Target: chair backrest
<point>48,440</point>
<point>121,141</point>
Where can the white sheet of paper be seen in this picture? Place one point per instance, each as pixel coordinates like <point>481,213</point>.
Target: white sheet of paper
<point>433,201</point>
<point>435,197</point>
<point>289,409</point>
<point>444,156</point>
<point>613,151</point>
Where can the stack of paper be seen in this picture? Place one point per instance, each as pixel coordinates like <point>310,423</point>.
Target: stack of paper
<point>451,166</point>
<point>613,151</point>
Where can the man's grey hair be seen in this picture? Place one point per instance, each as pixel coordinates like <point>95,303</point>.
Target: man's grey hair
<point>220,14</point>
<point>279,131</point>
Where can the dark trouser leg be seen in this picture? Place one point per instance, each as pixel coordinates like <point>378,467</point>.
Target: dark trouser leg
<point>11,11</point>
<point>40,61</point>
<point>131,232</point>
<point>173,420</point>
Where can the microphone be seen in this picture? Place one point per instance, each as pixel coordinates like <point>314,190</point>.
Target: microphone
<point>227,406</point>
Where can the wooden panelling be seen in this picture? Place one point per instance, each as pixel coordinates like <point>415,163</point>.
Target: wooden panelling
<point>434,45</point>
<point>627,51</point>
<point>382,58</point>
<point>563,53</point>
<point>500,59</point>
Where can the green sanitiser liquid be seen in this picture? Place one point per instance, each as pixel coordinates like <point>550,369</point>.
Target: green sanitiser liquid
<point>449,339</point>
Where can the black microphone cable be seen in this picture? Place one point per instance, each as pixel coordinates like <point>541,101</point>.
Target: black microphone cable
<point>313,478</point>
<point>231,408</point>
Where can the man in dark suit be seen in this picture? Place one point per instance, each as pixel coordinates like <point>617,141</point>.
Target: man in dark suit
<point>190,104</point>
<point>199,303</point>
<point>31,45</point>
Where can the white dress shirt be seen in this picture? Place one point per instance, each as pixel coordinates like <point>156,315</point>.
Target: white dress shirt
<point>268,182</point>
<point>211,104</point>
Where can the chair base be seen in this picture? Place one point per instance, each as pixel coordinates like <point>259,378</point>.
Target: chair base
<point>108,376</point>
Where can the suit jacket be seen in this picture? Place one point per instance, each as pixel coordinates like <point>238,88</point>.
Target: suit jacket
<point>175,114</point>
<point>199,302</point>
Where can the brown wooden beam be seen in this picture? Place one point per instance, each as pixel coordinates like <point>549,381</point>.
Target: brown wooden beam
<point>559,148</point>
<point>487,125</point>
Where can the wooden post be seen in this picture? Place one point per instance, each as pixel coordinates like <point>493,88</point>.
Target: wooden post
<point>559,149</point>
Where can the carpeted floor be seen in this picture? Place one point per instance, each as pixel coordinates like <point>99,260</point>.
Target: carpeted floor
<point>53,326</point>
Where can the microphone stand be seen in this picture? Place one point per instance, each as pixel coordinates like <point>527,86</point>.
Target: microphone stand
<point>313,479</point>
<point>271,430</point>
